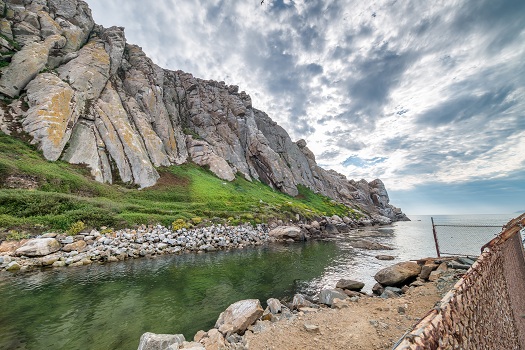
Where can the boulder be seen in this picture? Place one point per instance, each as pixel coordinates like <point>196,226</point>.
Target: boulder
<point>330,229</point>
<point>78,246</point>
<point>327,296</point>
<point>397,274</point>
<point>287,232</point>
<point>9,247</point>
<point>350,284</point>
<point>238,316</point>
<point>38,247</point>
<point>426,270</point>
<point>152,341</point>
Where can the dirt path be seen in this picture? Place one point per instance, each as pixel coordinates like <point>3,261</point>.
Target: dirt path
<point>369,324</point>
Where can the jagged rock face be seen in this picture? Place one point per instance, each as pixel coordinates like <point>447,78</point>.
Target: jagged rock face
<point>94,99</point>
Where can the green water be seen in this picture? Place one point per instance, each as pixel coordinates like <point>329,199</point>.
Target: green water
<point>110,306</point>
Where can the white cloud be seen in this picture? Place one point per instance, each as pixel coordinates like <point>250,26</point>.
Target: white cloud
<point>436,89</point>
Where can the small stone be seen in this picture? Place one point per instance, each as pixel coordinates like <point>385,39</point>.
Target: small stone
<point>457,266</point>
<point>49,235</point>
<point>401,310</point>
<point>339,304</point>
<point>326,296</point>
<point>435,275</point>
<point>13,266</point>
<point>442,267</point>
<point>378,289</point>
<point>59,263</point>
<point>389,294</point>
<point>299,301</point>
<point>311,328</point>
<point>307,310</point>
<point>274,305</point>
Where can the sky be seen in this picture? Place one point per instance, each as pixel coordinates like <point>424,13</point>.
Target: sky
<point>428,96</point>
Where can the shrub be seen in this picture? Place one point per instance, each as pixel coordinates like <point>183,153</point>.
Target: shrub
<point>76,228</point>
<point>179,224</point>
<point>196,220</point>
<point>16,236</point>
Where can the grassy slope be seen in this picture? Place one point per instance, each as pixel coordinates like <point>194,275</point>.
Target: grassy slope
<point>65,194</point>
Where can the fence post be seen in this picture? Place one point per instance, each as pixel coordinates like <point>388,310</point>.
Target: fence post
<point>435,237</point>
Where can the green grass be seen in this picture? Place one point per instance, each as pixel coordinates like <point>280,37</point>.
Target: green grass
<point>65,194</point>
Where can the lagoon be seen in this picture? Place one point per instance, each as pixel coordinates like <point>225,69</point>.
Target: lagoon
<point>110,306</point>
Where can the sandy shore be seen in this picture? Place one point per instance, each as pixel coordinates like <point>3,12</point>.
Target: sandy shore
<point>369,324</point>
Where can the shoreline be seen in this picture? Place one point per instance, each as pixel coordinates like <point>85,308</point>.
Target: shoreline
<point>56,250</point>
<point>338,318</point>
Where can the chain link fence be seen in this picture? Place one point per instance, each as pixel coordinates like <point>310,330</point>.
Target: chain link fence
<point>454,238</point>
<point>486,308</point>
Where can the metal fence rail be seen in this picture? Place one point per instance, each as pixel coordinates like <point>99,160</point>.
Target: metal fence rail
<point>486,308</point>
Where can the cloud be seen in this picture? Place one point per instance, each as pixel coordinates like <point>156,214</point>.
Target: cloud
<point>435,89</point>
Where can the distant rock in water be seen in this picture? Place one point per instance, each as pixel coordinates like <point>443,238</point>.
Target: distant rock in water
<point>86,96</point>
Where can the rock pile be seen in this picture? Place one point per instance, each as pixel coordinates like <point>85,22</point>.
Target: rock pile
<point>330,226</point>
<point>58,250</point>
<point>395,280</point>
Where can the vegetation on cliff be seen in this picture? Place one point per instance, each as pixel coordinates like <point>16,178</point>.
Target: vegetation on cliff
<point>38,195</point>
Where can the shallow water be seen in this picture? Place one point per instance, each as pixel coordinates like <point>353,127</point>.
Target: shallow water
<point>110,306</point>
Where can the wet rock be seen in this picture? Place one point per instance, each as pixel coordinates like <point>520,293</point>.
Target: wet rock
<point>287,232</point>
<point>13,266</point>
<point>397,274</point>
<point>240,315</point>
<point>330,229</point>
<point>38,247</point>
<point>385,257</point>
<point>350,285</point>
<point>152,341</point>
<point>369,245</point>
<point>49,259</point>
<point>327,296</point>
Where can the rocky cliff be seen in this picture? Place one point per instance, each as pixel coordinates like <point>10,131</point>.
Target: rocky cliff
<point>86,96</point>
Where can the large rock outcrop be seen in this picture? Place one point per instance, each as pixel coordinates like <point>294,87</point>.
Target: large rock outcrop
<point>91,98</point>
